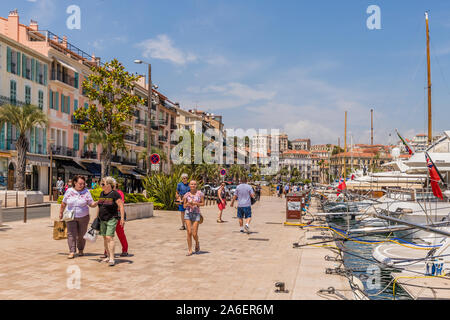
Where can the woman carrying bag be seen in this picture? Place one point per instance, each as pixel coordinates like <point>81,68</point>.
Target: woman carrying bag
<point>192,201</point>
<point>75,210</point>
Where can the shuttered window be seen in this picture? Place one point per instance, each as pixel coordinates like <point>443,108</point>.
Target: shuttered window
<point>41,99</point>
<point>76,141</point>
<point>13,92</point>
<point>27,95</point>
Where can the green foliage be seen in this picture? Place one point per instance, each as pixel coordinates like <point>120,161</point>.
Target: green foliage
<point>162,188</point>
<point>337,150</point>
<point>110,89</point>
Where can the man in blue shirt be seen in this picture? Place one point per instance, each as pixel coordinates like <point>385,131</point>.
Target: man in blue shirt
<point>182,189</point>
<point>243,194</point>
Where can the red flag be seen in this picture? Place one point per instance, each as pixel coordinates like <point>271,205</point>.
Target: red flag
<point>342,186</point>
<point>353,177</point>
<point>434,177</point>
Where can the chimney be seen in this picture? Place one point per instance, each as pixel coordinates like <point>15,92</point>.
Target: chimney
<point>34,25</point>
<point>13,25</point>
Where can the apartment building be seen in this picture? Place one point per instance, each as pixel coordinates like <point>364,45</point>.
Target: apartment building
<point>301,144</point>
<point>38,66</point>
<point>300,159</point>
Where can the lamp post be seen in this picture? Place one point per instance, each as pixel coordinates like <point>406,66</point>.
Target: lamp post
<point>149,125</point>
<point>50,189</point>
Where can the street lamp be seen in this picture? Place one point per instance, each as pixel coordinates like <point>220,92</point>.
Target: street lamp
<point>50,189</point>
<point>149,126</point>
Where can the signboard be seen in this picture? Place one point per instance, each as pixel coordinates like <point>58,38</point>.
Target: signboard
<point>154,158</point>
<point>223,172</point>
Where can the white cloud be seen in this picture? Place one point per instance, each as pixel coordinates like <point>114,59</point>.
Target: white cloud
<point>163,48</point>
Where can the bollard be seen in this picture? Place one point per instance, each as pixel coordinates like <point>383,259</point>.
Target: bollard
<point>25,207</point>
<point>17,198</point>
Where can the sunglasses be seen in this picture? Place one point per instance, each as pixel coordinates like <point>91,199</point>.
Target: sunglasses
<point>103,184</point>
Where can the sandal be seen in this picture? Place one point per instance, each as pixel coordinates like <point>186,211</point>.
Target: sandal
<point>197,248</point>
<point>111,263</point>
<point>80,253</point>
<point>71,255</point>
<point>189,254</point>
<point>105,260</point>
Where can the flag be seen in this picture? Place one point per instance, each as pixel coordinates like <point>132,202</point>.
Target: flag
<point>408,148</point>
<point>342,186</point>
<point>353,177</point>
<point>435,177</point>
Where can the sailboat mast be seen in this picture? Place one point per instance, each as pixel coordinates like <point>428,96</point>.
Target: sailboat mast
<point>430,131</point>
<point>345,146</point>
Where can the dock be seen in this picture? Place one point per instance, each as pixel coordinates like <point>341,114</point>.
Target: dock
<point>230,265</point>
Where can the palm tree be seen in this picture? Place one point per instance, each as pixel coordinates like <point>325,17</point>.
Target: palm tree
<point>24,118</point>
<point>98,137</point>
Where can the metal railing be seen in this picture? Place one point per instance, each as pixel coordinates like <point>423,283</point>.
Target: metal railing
<point>64,151</point>
<point>89,155</point>
<point>130,137</point>
<point>141,121</point>
<point>63,77</point>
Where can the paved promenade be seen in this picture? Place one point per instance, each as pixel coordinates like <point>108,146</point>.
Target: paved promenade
<point>231,265</point>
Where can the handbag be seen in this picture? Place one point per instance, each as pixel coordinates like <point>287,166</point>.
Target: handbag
<point>253,200</point>
<point>96,224</point>
<point>201,219</point>
<point>59,230</point>
<point>68,215</point>
<point>91,235</point>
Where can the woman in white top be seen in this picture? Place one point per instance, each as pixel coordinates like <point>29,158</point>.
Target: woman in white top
<point>78,199</point>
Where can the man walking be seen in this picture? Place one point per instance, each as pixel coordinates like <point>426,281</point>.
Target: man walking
<point>60,186</point>
<point>243,194</point>
<point>182,189</point>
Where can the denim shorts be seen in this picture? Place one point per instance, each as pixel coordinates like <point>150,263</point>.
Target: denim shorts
<point>181,208</point>
<point>244,212</point>
<point>192,216</point>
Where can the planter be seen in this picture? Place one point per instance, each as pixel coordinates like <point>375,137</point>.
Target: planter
<point>134,211</point>
<point>33,197</point>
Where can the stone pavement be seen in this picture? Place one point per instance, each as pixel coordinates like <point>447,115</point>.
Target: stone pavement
<point>231,265</point>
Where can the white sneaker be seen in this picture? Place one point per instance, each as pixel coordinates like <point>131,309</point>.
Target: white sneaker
<point>247,228</point>
<point>242,230</point>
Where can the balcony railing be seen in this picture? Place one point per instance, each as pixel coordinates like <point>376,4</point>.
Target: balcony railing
<point>77,121</point>
<point>130,137</point>
<point>63,77</point>
<point>154,125</point>
<point>64,151</point>
<point>162,139</point>
<point>6,100</point>
<point>142,144</point>
<point>89,155</point>
<point>173,127</point>
<point>141,121</point>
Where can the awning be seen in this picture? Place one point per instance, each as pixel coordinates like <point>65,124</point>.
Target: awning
<point>66,65</point>
<point>130,172</point>
<point>72,167</point>
<point>40,161</point>
<point>94,168</point>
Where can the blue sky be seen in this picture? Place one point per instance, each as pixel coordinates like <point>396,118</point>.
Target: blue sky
<point>289,65</point>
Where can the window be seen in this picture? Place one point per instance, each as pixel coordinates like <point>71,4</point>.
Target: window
<point>56,101</point>
<point>62,103</point>
<point>76,80</point>
<point>27,95</point>
<point>75,105</point>
<point>13,92</point>
<point>76,141</point>
<point>50,99</point>
<point>41,99</point>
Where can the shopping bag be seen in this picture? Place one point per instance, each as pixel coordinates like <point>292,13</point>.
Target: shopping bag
<point>96,224</point>
<point>91,235</point>
<point>59,230</point>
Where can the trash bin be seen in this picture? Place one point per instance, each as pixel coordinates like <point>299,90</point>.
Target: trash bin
<point>294,205</point>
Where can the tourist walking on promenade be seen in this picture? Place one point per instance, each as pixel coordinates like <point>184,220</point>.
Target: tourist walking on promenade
<point>192,201</point>
<point>119,229</point>
<point>78,199</point>
<point>280,190</point>
<point>286,190</point>
<point>60,186</point>
<point>221,201</point>
<point>243,194</point>
<point>182,189</point>
<point>109,205</point>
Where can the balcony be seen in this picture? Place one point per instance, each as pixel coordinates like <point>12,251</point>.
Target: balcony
<point>117,159</point>
<point>63,77</point>
<point>162,139</point>
<point>130,137</point>
<point>173,126</point>
<point>162,122</point>
<point>141,122</point>
<point>142,144</point>
<point>129,162</point>
<point>154,106</point>
<point>77,121</point>
<point>89,155</point>
<point>15,102</point>
<point>64,151</point>
<point>154,125</point>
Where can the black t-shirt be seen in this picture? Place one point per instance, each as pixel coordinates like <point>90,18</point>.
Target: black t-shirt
<point>107,205</point>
